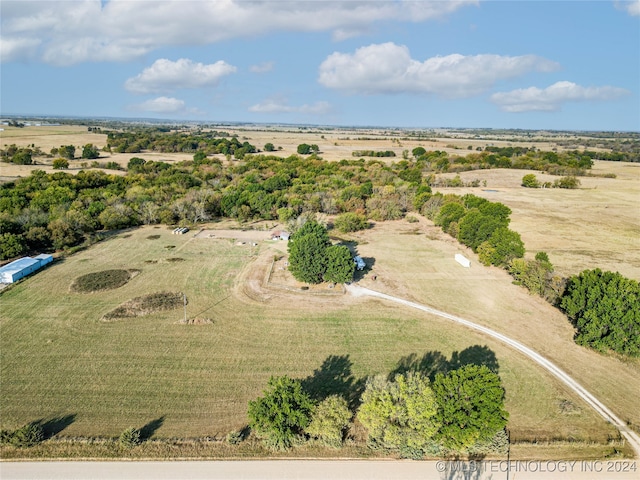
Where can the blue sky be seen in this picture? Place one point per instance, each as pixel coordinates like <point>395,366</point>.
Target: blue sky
<point>564,65</point>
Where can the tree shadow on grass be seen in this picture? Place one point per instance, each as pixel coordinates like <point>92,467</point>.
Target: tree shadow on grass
<point>53,426</point>
<point>334,377</point>
<point>434,362</point>
<point>150,428</point>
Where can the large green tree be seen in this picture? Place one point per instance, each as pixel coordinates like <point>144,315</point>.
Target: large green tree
<point>308,258</point>
<point>605,309</point>
<point>340,265</point>
<point>282,413</point>
<point>470,406</point>
<point>400,414</point>
<point>90,151</point>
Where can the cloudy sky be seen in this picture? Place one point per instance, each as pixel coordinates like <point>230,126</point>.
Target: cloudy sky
<point>457,63</point>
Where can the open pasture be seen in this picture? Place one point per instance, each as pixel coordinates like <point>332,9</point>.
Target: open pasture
<point>60,359</point>
<point>596,225</point>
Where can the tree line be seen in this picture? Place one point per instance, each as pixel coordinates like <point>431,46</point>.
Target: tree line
<point>457,412</point>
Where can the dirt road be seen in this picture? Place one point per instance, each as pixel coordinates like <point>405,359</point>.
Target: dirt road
<point>632,437</point>
<point>322,469</point>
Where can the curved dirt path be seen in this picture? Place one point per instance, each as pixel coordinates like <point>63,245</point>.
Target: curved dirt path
<point>632,437</point>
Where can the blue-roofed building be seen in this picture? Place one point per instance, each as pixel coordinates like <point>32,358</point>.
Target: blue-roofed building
<point>14,271</point>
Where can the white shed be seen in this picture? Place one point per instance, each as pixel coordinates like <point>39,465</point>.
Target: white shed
<point>462,260</point>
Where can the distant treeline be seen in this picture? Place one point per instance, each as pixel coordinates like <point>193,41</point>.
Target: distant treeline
<point>373,153</point>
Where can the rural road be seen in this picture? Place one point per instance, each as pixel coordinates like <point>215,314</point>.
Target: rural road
<point>322,470</point>
<point>632,437</point>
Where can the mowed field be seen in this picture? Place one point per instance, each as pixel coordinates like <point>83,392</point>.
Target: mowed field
<point>59,359</point>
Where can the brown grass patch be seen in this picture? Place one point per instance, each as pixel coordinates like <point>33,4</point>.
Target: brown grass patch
<point>146,305</point>
<point>153,237</point>
<point>175,259</point>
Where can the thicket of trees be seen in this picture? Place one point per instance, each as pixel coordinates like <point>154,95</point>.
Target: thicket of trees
<point>461,411</point>
<point>605,309</point>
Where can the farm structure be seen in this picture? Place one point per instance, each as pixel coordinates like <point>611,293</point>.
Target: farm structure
<point>278,235</point>
<point>462,260</point>
<point>22,267</point>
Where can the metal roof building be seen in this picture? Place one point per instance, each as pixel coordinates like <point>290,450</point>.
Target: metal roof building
<point>14,271</point>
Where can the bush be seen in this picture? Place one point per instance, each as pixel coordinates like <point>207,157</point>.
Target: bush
<point>530,181</point>
<point>567,182</point>
<point>130,437</point>
<point>329,421</point>
<point>60,163</point>
<point>400,414</point>
<point>350,222</point>
<point>27,436</point>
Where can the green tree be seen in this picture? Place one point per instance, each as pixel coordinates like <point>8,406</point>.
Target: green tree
<point>605,309</point>
<point>340,265</point>
<point>350,222</point>
<point>11,245</point>
<point>476,227</point>
<point>136,164</point>
<point>269,147</point>
<point>530,181</point>
<point>450,212</point>
<point>304,149</point>
<point>330,420</point>
<point>505,246</point>
<point>308,257</point>
<point>90,151</point>
<point>60,163</point>
<point>470,406</point>
<point>282,413</point>
<point>400,414</point>
<point>418,152</point>
<point>67,151</point>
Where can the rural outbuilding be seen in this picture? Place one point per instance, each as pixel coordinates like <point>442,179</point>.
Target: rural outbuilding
<point>14,271</point>
<point>462,260</point>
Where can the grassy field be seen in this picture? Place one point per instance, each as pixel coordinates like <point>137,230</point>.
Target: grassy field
<point>60,360</point>
<point>597,225</point>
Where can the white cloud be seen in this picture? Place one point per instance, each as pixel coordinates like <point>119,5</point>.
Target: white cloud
<point>551,98</point>
<point>262,68</point>
<point>72,31</point>
<point>280,105</point>
<point>389,68</point>
<point>17,48</point>
<point>165,75</point>
<point>161,105</point>
<point>631,7</point>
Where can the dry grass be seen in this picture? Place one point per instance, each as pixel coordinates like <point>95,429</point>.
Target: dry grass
<point>112,375</point>
<point>597,225</point>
